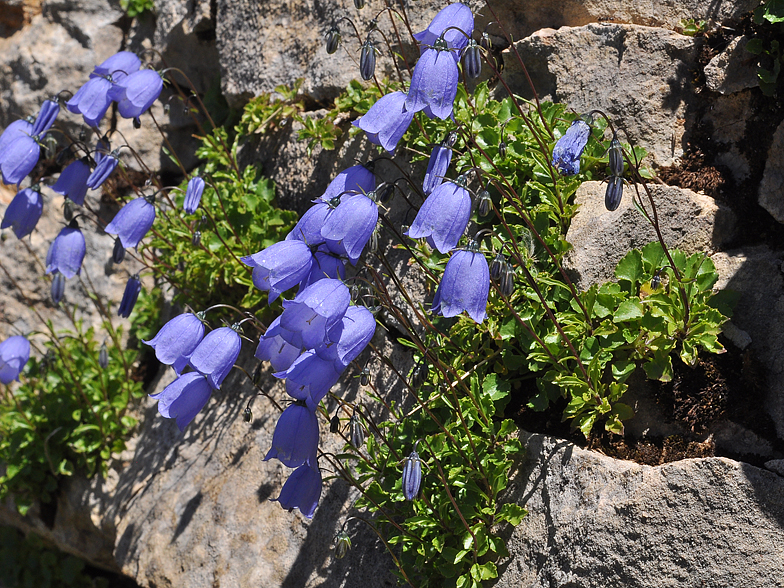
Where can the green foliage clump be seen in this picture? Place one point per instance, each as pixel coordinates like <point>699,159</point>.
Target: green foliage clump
<point>25,562</point>
<point>134,8</point>
<point>68,414</point>
<point>769,19</point>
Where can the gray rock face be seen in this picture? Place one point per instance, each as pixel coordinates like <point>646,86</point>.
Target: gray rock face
<point>689,221</point>
<point>771,190</point>
<point>639,76</point>
<point>731,70</point>
<point>595,521</point>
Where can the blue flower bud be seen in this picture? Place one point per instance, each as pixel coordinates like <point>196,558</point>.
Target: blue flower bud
<point>333,40</point>
<point>342,545</point>
<point>23,213</point>
<point>485,204</point>
<point>569,148</point>
<point>132,222</point>
<point>103,356</point>
<point>614,193</point>
<point>118,252</point>
<point>193,195</point>
<point>334,424</point>
<point>472,60</point>
<point>412,476</point>
<point>506,283</point>
<point>103,170</point>
<point>72,182</point>
<point>367,59</point>
<point>46,118</point>
<point>131,294</point>
<point>14,354</point>
<point>356,431</point>
<point>58,287</point>
<point>615,157</point>
<point>437,167</point>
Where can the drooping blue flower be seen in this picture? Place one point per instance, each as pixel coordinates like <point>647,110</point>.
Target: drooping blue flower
<point>177,339</point>
<point>346,343</point>
<point>309,378</point>
<point>387,120</point>
<point>72,182</point>
<point>215,355</point>
<point>357,178</point>
<point>103,170</point>
<point>296,436</point>
<point>66,252</point>
<point>92,99</point>
<point>280,266</point>
<point>316,309</point>
<point>23,213</point>
<point>443,217</point>
<point>14,353</point>
<point>119,65</point>
<point>132,222</point>
<point>18,128</point>
<point>434,83</point>
<point>348,229</point>
<point>464,286</point>
<point>308,228</point>
<point>455,15</point>
<point>412,476</point>
<point>131,294</point>
<point>569,148</point>
<point>438,165</point>
<point>193,195</point>
<point>46,117</point>
<point>302,490</point>
<point>184,398</point>
<point>136,92</point>
<point>275,349</point>
<point>325,265</point>
<point>19,159</point>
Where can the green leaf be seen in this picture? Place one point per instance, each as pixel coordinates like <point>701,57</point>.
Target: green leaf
<point>754,46</point>
<point>629,269</point>
<point>511,513</point>
<point>628,310</point>
<point>495,387</point>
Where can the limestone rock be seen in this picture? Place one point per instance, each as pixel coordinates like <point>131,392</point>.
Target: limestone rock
<point>639,76</point>
<point>595,521</point>
<point>689,221</point>
<point>732,70</point>
<point>771,190</point>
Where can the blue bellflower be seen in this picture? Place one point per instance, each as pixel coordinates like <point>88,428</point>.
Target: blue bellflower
<point>215,355</point>
<point>193,195</point>
<point>72,182</point>
<point>132,222</point>
<point>464,286</point>
<point>18,128</point>
<point>443,217</point>
<point>434,83</point>
<point>184,398</point>
<point>357,179</point>
<point>302,490</point>
<point>569,148</point>
<point>309,378</point>
<point>131,294</point>
<point>119,65</point>
<point>136,92</point>
<point>456,15</point>
<point>348,229</point>
<point>66,252</point>
<point>296,436</point>
<point>177,339</point>
<point>274,349</point>
<point>23,213</point>
<point>19,159</point>
<point>103,169</point>
<point>316,309</point>
<point>387,120</point>
<point>325,265</point>
<point>45,119</point>
<point>14,353</point>
<point>438,165</point>
<point>308,228</point>
<point>92,99</point>
<point>280,266</point>
<point>347,341</point>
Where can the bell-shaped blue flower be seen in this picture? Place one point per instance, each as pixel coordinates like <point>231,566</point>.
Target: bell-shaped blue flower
<point>18,128</point>
<point>437,167</point>
<point>316,309</point>
<point>177,339</point>
<point>23,213</point>
<point>346,343</point>
<point>19,158</point>
<point>357,179</point>
<point>72,182</point>
<point>131,294</point>
<point>309,378</point>
<point>46,117</point>
<point>302,490</point>
<point>66,252</point>
<point>456,15</point>
<point>136,92</point>
<point>387,120</point>
<point>132,222</point>
<point>569,148</point>
<point>325,265</point>
<point>443,217</point>
<point>106,165</point>
<point>91,100</point>
<point>296,436</point>
<point>275,349</point>
<point>14,353</point>
<point>464,286</point>
<point>308,228</point>
<point>215,355</point>
<point>348,229</point>
<point>280,266</point>
<point>412,476</point>
<point>119,65</point>
<point>193,195</point>
<point>434,83</point>
<point>184,398</point>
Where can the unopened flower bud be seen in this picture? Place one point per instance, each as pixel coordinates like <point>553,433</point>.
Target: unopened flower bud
<point>506,285</point>
<point>367,60</point>
<point>334,424</point>
<point>615,156</point>
<point>118,253</point>
<point>333,40</point>
<point>58,287</point>
<point>196,239</point>
<point>247,414</point>
<point>384,192</point>
<point>364,377</point>
<point>497,266</point>
<point>472,60</point>
<point>360,4</point>
<point>342,545</point>
<point>166,108</point>
<point>67,211</point>
<point>485,203</point>
<point>614,193</point>
<point>419,374</point>
<point>412,476</point>
<point>103,356</point>
<point>137,122</point>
